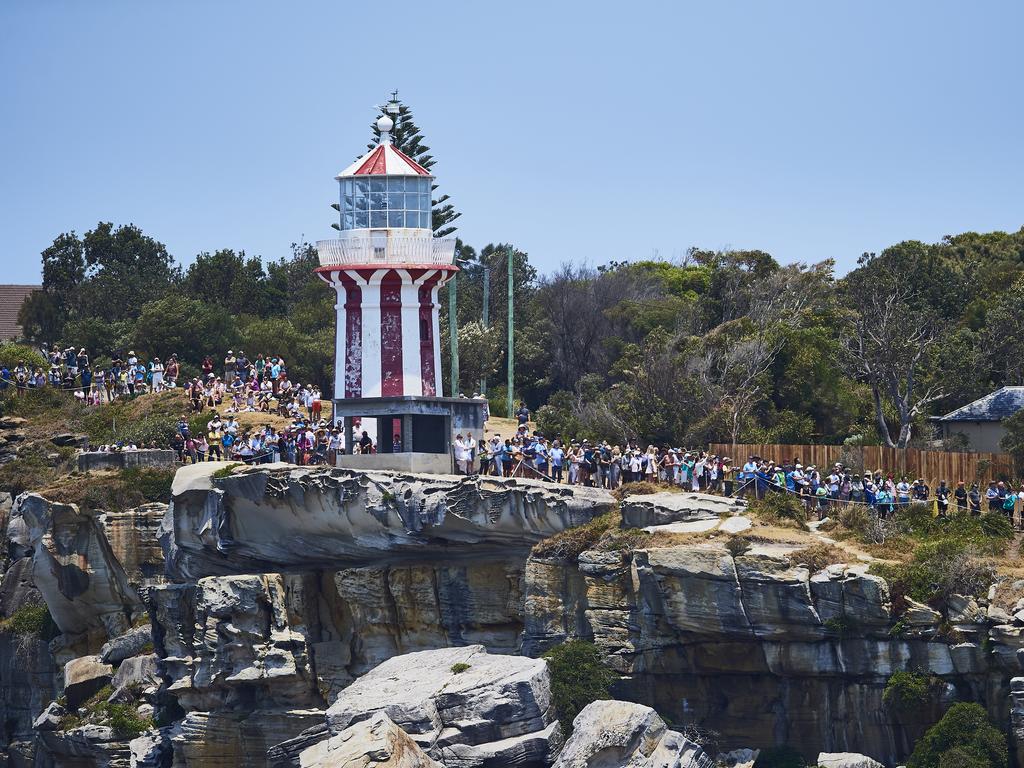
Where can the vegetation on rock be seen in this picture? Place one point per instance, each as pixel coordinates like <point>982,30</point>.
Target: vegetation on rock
<point>31,621</point>
<point>578,677</point>
<point>907,691</point>
<point>963,738</point>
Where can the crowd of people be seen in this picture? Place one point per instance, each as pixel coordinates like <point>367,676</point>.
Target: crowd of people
<point>260,384</point>
<point>821,489</point>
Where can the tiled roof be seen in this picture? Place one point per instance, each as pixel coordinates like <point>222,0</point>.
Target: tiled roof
<point>11,298</point>
<point>994,406</point>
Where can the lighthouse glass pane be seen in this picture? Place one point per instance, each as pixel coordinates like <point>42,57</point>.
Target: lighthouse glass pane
<point>362,186</point>
<point>377,201</point>
<point>377,185</point>
<point>424,204</point>
<point>396,201</point>
<point>396,218</point>
<point>362,202</point>
<point>361,220</point>
<point>378,218</point>
<point>347,220</point>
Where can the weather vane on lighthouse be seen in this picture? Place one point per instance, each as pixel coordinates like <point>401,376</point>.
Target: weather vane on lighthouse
<point>386,268</point>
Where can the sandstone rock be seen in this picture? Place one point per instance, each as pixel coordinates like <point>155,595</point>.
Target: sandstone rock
<point>738,758</point>
<point>846,760</point>
<point>151,750</point>
<point>920,615</point>
<point>962,609</point>
<point>236,739</point>
<point>67,439</point>
<point>134,537</point>
<point>83,677</point>
<point>73,567</point>
<point>49,719</point>
<point>997,615</point>
<point>642,510</point>
<point>138,671</point>
<point>376,742</point>
<point>690,526</point>
<point>619,734</point>
<point>274,517</point>
<point>736,524</point>
<point>129,644</point>
<point>12,422</point>
<point>495,711</point>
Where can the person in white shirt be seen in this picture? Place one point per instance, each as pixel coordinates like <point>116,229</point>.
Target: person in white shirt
<point>463,454</point>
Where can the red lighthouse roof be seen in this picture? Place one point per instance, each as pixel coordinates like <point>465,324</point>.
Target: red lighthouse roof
<point>384,159</point>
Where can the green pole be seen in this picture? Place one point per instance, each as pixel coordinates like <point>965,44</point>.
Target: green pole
<point>511,354</point>
<point>487,315</point>
<point>453,331</point>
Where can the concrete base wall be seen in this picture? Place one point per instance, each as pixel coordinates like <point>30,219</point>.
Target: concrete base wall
<point>97,460</point>
<point>430,463</point>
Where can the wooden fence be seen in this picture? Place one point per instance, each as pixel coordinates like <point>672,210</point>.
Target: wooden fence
<point>932,466</point>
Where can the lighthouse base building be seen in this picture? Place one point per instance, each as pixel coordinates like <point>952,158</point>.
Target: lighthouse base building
<point>386,269</point>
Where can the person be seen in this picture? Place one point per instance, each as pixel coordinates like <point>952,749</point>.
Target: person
<point>974,500</point>
<point>992,497</point>
<point>727,473</point>
<point>156,370</point>
<point>557,456</point>
<point>960,494</point>
<point>522,414</point>
<point>229,366</point>
<point>396,443</point>
<point>1009,503</point>
<point>942,499</point>
<point>462,454</point>
<point>903,492</point>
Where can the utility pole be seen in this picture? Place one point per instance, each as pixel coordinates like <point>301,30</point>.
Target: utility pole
<point>487,316</point>
<point>511,361</point>
<point>453,331</point>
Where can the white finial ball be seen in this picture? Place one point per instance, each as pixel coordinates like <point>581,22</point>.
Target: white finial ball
<point>385,124</point>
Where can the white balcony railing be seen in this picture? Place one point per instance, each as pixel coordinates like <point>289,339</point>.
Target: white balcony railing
<point>386,247</point>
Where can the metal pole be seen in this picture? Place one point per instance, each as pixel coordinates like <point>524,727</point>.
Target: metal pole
<point>511,356</point>
<point>487,316</point>
<point>453,331</point>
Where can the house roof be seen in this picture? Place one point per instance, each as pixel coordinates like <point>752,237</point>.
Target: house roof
<point>11,298</point>
<point>994,406</point>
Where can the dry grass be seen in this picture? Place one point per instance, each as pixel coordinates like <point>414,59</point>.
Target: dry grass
<point>818,556</point>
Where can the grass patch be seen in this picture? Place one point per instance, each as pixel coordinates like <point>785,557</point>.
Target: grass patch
<point>570,543</point>
<point>841,626</point>
<point>817,557</point>
<point>227,471</point>
<point>30,621</point>
<point>936,571</point>
<point>641,488</point>
<point>115,491</point>
<point>779,509</point>
<point>33,468</point>
<point>577,678</point>
<point>459,667</point>
<point>738,545</point>
<point>122,718</point>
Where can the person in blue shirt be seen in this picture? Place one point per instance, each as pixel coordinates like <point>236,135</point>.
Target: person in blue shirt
<point>540,453</point>
<point>557,456</point>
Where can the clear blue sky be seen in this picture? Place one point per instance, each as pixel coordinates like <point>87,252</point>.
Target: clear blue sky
<point>582,131</point>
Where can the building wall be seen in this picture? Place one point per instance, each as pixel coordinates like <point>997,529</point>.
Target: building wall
<point>983,435</point>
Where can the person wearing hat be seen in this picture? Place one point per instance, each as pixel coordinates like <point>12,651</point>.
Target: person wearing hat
<point>229,365</point>
<point>156,373</point>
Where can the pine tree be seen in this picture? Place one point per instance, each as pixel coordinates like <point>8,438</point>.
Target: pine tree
<point>407,138</point>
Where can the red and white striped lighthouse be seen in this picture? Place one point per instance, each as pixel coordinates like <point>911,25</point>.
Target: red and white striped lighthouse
<point>386,268</point>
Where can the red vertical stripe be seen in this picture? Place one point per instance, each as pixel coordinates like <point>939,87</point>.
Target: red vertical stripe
<point>353,337</point>
<point>426,331</point>
<point>391,379</point>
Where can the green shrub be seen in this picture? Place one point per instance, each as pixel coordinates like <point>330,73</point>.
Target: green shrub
<point>963,738</point>
<point>906,691</point>
<point>228,470</point>
<point>11,354</point>
<point>126,722</point>
<point>937,570</point>
<point>578,677</point>
<point>780,757</point>
<point>30,620</point>
<point>459,667</point>
<point>780,509</point>
<point>154,484</point>
<point>842,626</point>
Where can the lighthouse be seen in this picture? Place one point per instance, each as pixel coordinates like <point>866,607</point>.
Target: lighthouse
<point>386,268</point>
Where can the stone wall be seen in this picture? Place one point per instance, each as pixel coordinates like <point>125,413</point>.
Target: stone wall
<point>91,461</point>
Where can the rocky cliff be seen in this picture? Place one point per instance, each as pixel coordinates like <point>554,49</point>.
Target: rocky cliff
<point>294,599</point>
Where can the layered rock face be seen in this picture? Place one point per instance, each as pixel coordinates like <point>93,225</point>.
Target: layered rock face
<point>765,652</point>
<point>281,517</point>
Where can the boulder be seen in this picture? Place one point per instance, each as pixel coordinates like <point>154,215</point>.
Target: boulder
<point>280,517</point>
<point>919,615</point>
<point>642,510</point>
<point>68,439</point>
<point>12,422</point>
<point>620,734</point>
<point>138,671</point>
<point>463,706</point>
<point>846,760</point>
<point>83,677</point>
<point>49,719</point>
<point>376,742</point>
<point>131,643</point>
